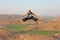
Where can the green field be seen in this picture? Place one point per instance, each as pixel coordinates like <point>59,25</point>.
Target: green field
<point>18,27</point>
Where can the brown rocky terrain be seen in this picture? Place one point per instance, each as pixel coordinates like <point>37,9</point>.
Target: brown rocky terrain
<point>7,35</point>
<point>46,24</point>
<point>50,25</point>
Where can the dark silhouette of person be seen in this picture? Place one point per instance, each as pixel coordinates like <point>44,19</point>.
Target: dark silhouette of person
<point>30,16</point>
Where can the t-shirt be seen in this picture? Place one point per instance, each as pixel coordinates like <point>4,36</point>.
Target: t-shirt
<point>30,15</point>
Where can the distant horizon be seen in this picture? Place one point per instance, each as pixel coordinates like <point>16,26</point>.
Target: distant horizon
<point>37,15</point>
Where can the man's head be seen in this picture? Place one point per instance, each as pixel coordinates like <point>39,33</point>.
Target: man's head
<point>29,11</point>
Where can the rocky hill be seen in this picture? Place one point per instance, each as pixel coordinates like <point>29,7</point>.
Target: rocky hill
<point>47,23</point>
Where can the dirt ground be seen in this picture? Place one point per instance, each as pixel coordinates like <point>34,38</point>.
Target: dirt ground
<point>7,35</point>
<point>51,25</point>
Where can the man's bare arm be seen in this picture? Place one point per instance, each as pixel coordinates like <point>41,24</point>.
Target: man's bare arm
<point>35,15</point>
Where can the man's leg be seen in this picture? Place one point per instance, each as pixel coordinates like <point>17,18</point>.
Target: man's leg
<point>25,19</point>
<point>35,19</point>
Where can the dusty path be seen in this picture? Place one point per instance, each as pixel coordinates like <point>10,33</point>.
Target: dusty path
<point>7,35</point>
<point>55,37</point>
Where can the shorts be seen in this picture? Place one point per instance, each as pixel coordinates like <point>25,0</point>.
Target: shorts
<point>27,18</point>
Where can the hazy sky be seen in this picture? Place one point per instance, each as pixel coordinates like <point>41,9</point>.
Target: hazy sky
<point>39,7</point>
